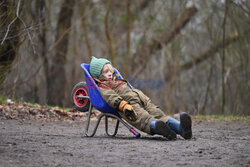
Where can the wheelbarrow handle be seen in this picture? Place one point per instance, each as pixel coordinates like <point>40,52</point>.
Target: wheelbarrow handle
<point>82,97</point>
<point>137,134</point>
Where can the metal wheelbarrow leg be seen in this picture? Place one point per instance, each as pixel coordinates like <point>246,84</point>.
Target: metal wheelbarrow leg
<point>107,115</point>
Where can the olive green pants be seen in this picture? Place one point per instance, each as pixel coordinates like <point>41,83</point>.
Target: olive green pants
<point>146,112</point>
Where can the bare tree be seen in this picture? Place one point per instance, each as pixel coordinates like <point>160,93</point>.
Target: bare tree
<point>223,57</point>
<point>56,76</point>
<point>108,35</point>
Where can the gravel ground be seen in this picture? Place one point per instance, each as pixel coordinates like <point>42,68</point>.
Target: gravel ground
<point>61,143</point>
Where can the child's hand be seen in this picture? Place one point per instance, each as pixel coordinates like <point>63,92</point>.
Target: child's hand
<point>128,110</point>
<point>131,114</point>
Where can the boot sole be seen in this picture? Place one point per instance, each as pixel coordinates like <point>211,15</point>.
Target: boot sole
<point>164,130</point>
<point>186,125</point>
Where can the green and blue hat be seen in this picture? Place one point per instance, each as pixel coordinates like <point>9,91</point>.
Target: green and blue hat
<point>96,66</point>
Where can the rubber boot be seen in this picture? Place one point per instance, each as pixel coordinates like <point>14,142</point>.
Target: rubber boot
<point>160,128</point>
<point>184,127</point>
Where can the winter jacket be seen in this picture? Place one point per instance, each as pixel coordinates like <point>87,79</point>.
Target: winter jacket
<point>113,91</point>
<point>116,90</point>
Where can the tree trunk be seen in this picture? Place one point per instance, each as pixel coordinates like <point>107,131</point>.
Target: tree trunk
<point>85,28</point>
<point>127,57</point>
<point>223,59</point>
<point>41,13</point>
<point>56,75</point>
<point>108,35</point>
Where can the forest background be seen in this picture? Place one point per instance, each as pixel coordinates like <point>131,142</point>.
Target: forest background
<point>186,55</point>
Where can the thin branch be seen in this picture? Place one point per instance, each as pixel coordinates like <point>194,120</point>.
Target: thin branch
<point>8,29</point>
<point>61,38</point>
<point>32,44</point>
<point>20,29</point>
<point>152,45</point>
<point>209,53</point>
<point>18,8</point>
<point>246,11</point>
<point>184,19</point>
<point>18,17</point>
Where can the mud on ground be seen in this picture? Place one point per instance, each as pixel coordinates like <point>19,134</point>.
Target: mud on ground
<point>59,143</point>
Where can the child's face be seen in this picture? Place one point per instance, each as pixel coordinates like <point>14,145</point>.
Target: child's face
<point>107,71</point>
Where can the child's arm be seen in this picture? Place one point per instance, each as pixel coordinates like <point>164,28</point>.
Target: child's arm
<point>110,96</point>
<point>128,110</point>
<point>116,101</point>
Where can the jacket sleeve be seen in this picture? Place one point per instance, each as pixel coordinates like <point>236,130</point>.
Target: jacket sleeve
<point>110,96</point>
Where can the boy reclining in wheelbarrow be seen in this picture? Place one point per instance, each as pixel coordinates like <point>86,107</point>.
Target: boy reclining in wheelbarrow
<point>134,106</point>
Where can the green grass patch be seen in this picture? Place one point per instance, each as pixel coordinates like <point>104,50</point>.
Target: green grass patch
<point>3,99</point>
<point>223,117</point>
<point>32,104</point>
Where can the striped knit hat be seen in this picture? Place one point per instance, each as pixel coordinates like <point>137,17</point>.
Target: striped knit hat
<point>96,66</point>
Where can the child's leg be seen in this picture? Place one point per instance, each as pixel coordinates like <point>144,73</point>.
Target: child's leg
<point>155,110</point>
<point>184,127</point>
<point>148,123</point>
<point>143,118</point>
<point>161,128</point>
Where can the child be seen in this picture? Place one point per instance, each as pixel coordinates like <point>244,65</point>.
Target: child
<point>134,106</point>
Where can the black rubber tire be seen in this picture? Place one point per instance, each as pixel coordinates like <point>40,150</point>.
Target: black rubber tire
<point>82,104</point>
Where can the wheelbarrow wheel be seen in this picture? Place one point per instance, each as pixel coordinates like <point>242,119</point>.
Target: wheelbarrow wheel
<point>80,104</point>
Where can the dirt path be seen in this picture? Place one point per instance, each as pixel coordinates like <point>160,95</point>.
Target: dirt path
<point>38,143</point>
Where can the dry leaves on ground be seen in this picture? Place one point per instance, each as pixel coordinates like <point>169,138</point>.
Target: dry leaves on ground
<point>24,111</point>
